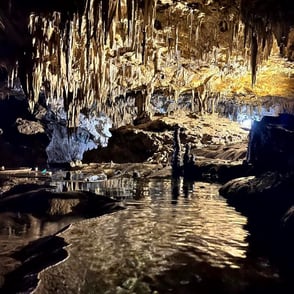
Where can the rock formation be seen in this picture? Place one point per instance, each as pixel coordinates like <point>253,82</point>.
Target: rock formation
<point>271,143</point>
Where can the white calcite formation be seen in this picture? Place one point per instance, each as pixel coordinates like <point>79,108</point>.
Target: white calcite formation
<point>65,146</point>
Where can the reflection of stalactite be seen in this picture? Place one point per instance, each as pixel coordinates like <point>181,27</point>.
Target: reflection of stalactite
<point>187,187</point>
<point>188,162</point>
<point>175,187</point>
<point>141,189</point>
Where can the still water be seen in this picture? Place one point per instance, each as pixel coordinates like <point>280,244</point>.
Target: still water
<point>173,237</point>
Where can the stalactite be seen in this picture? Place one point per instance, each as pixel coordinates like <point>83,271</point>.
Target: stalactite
<point>102,52</point>
<point>254,52</point>
<point>130,16</point>
<point>269,20</point>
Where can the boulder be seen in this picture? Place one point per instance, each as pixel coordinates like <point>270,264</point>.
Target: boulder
<point>268,194</point>
<point>271,143</point>
<point>267,201</point>
<point>32,259</point>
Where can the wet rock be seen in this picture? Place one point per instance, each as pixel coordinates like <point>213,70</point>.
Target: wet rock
<point>233,152</point>
<point>267,201</point>
<point>271,190</point>
<point>11,185</point>
<point>216,170</point>
<point>23,188</point>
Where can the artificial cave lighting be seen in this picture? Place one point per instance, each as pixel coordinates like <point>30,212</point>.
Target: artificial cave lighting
<point>246,124</point>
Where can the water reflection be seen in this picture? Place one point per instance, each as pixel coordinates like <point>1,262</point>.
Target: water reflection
<point>175,190</point>
<point>18,230</point>
<point>27,226</point>
<point>125,252</point>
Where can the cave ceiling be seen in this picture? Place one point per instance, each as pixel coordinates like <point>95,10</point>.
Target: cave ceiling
<point>90,52</point>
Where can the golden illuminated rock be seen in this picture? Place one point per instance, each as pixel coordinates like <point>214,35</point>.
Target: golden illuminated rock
<point>102,50</point>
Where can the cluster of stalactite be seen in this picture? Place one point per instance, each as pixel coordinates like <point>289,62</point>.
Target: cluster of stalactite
<point>264,20</point>
<point>94,57</point>
<point>114,47</point>
<point>91,58</point>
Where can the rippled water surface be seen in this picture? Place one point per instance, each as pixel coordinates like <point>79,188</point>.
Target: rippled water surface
<point>172,237</point>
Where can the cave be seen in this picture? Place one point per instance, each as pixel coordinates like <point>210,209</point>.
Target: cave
<point>146,146</point>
